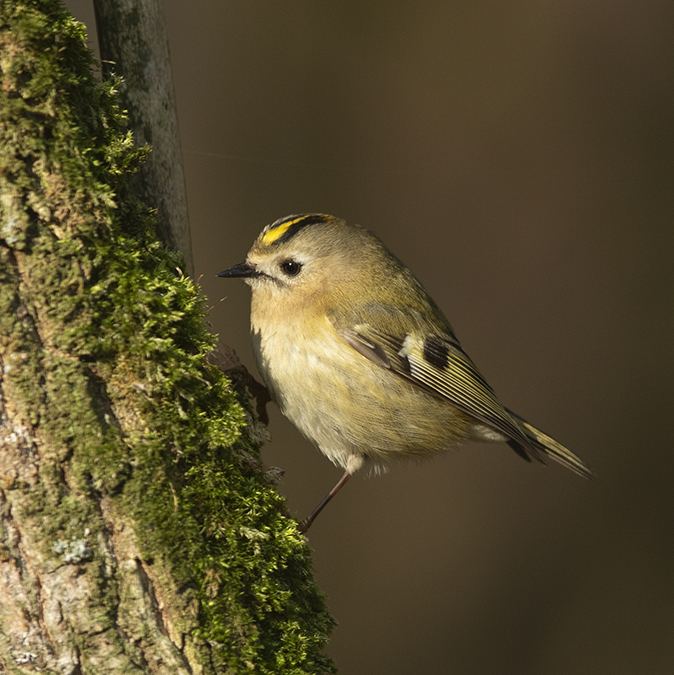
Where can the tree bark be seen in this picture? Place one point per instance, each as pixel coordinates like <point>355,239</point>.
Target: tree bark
<point>138,530</point>
<point>134,44</point>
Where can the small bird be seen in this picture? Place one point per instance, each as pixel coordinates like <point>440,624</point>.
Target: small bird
<point>360,358</point>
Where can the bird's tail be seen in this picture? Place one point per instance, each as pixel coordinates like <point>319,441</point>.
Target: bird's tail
<point>548,447</point>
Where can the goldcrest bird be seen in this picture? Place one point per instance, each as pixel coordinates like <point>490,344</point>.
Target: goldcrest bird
<point>360,358</point>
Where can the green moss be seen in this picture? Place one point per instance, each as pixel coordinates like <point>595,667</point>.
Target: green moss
<point>104,346</point>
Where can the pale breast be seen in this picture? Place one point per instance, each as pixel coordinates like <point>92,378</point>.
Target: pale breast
<point>351,408</point>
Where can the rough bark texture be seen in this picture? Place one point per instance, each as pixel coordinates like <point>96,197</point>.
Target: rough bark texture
<point>133,42</point>
<point>138,532</point>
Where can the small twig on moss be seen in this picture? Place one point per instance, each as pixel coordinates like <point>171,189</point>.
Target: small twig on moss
<point>225,359</point>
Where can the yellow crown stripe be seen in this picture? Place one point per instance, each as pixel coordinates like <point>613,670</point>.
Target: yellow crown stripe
<point>277,232</point>
<point>285,228</point>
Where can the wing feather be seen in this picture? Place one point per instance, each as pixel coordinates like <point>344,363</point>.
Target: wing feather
<point>454,377</point>
<point>429,355</point>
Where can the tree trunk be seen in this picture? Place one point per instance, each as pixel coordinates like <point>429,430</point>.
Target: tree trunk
<point>138,531</point>
<point>134,45</point>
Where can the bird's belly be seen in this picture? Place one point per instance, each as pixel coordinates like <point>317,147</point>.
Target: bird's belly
<point>353,409</point>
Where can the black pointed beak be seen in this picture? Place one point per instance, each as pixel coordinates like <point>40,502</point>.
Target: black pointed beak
<point>242,270</point>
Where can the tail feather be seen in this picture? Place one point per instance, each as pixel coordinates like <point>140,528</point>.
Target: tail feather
<point>548,447</point>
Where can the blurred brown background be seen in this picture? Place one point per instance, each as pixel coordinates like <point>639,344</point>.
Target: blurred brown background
<point>519,156</point>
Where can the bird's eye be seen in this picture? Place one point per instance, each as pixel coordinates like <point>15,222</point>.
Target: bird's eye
<point>291,268</point>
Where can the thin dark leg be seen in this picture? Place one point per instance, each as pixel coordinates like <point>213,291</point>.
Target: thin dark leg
<point>306,523</point>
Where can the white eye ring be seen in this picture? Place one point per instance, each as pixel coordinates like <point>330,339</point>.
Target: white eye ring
<point>290,268</point>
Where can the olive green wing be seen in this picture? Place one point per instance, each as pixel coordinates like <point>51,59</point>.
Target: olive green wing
<point>437,363</point>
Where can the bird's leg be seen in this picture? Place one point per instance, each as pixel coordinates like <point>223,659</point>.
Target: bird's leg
<point>306,523</point>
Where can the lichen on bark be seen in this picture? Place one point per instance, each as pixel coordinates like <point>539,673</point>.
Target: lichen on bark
<point>138,532</point>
